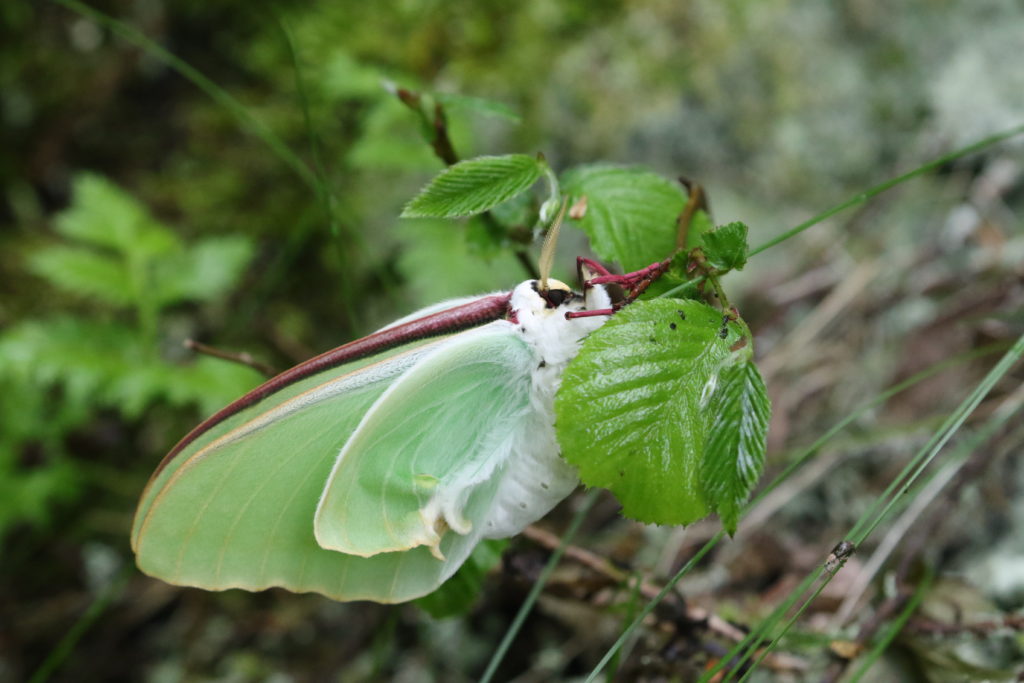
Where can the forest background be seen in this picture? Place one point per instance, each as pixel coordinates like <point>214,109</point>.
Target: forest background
<point>156,192</point>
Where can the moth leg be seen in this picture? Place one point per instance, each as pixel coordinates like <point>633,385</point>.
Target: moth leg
<point>589,267</point>
<point>569,315</point>
<point>633,283</point>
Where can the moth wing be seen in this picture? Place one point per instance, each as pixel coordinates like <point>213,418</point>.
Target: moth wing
<point>422,469</point>
<point>235,508</point>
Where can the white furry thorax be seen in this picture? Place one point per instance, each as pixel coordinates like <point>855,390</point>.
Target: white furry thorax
<point>537,477</point>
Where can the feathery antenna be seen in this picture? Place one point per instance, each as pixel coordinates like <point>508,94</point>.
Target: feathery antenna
<point>547,251</point>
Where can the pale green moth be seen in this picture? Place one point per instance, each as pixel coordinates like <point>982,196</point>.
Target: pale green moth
<point>372,471</point>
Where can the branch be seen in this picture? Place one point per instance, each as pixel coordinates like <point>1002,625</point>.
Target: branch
<point>696,199</point>
<point>242,357</point>
<point>443,148</point>
<point>694,616</point>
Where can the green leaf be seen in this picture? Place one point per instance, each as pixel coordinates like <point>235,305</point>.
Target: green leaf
<point>671,285</point>
<point>203,272</point>
<point>66,349</point>
<point>478,105</point>
<point>725,247</point>
<point>459,593</point>
<point>488,236</point>
<point>36,470</point>
<point>474,186</point>
<point>665,408</point>
<point>734,451</point>
<point>631,212</point>
<point>104,215</point>
<point>388,141</point>
<point>484,239</point>
<point>520,211</point>
<point>342,77</point>
<point>209,383</point>
<point>104,364</point>
<point>85,272</point>
<point>637,405</point>
<point>438,262</point>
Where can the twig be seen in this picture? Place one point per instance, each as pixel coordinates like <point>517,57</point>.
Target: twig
<point>694,615</point>
<point>696,199</point>
<point>591,560</point>
<point>444,150</point>
<point>442,143</point>
<point>526,263</point>
<point>241,357</point>
<point>981,629</point>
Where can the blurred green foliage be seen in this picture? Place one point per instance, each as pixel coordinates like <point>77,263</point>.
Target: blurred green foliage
<point>778,108</point>
<point>127,271</point>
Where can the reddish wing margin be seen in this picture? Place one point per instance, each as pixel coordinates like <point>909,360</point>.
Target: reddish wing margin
<point>455,319</point>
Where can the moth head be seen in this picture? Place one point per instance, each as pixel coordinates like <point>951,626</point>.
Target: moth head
<point>556,295</point>
<point>530,300</point>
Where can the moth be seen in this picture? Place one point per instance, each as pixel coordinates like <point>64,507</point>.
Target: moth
<point>372,471</point>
